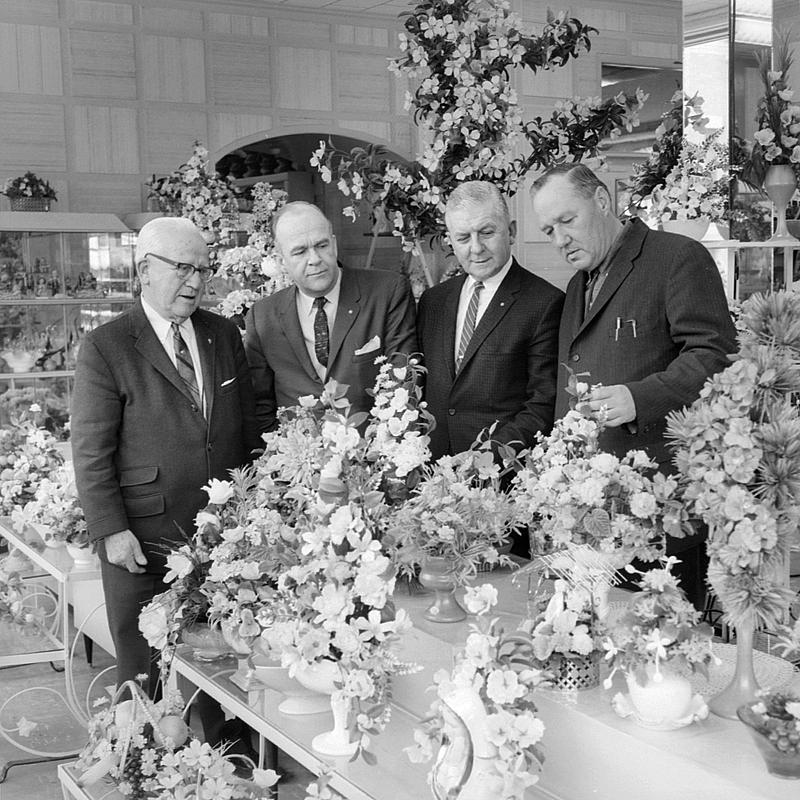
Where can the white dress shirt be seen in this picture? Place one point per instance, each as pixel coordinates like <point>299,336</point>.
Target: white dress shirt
<point>306,313</point>
<point>490,286</point>
<point>163,331</point>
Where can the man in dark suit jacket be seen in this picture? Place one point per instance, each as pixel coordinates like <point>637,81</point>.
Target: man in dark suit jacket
<point>645,315</point>
<point>332,324</point>
<point>502,368</point>
<point>144,439</point>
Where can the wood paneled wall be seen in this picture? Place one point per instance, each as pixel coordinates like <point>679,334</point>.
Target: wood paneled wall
<point>96,96</point>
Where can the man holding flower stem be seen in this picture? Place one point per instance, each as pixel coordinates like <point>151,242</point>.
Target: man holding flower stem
<point>645,315</point>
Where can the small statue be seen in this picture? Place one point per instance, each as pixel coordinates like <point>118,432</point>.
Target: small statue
<point>43,288</point>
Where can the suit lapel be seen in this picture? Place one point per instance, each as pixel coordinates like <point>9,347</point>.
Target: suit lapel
<point>346,314</point>
<point>502,301</point>
<point>447,324</point>
<point>206,346</point>
<point>290,324</point>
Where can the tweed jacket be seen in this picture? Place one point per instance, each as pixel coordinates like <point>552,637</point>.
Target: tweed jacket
<point>142,449</point>
<point>375,317</point>
<point>508,372</point>
<point>659,325</point>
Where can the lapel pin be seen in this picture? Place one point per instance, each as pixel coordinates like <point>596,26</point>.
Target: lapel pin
<point>502,305</point>
<point>349,310</point>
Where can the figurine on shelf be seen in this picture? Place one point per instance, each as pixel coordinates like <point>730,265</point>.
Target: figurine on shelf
<point>43,288</point>
<point>6,282</point>
<point>87,285</point>
<point>20,285</point>
<point>54,282</point>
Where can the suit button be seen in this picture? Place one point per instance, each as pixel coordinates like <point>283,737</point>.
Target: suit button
<point>209,446</point>
<point>575,357</point>
<point>451,412</point>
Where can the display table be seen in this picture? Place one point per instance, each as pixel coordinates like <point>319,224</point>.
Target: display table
<point>590,752</point>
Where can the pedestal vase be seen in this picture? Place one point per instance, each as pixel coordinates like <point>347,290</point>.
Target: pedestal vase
<point>693,228</point>
<point>82,557</point>
<point>780,184</point>
<point>437,574</point>
<point>743,686</point>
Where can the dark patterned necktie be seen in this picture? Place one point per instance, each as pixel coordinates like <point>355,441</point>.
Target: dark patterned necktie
<point>469,322</point>
<point>589,292</point>
<point>321,336</point>
<point>183,361</point>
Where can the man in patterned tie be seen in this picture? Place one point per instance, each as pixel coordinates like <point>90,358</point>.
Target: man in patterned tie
<point>332,324</point>
<point>489,336</point>
<point>162,404</point>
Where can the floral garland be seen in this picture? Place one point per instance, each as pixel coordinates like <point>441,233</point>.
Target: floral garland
<point>254,266</point>
<point>737,450</point>
<point>461,55</point>
<point>494,666</point>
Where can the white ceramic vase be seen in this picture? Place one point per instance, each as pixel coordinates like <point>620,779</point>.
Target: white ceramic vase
<point>693,228</point>
<point>664,697</point>
<point>780,184</point>
<point>82,557</point>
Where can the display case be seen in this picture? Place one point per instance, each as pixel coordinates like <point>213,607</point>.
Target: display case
<point>61,275</point>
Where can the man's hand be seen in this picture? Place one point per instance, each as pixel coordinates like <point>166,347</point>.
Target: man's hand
<point>123,550</point>
<point>618,401</point>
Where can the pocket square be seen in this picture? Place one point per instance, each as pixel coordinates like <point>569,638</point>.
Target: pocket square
<point>225,383</point>
<point>373,344</point>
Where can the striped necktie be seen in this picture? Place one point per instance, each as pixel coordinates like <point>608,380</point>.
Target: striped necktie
<point>469,322</point>
<point>321,336</point>
<point>183,361</point>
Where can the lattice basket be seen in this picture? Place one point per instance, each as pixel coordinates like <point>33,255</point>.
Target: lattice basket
<point>578,673</point>
<point>30,203</point>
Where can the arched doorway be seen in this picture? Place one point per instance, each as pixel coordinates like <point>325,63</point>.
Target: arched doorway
<point>283,160</point>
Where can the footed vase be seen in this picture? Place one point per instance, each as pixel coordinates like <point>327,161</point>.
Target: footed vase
<point>780,184</point>
<point>436,574</point>
<point>743,686</point>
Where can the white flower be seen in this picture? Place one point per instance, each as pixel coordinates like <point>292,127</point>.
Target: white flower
<point>480,599</point>
<point>153,623</point>
<point>179,566</point>
<point>219,492</point>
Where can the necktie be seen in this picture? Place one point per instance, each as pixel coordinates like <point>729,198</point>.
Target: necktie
<point>589,293</point>
<point>469,322</point>
<point>183,361</point>
<point>321,338</point>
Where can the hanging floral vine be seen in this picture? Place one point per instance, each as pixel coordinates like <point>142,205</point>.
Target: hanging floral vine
<point>461,55</point>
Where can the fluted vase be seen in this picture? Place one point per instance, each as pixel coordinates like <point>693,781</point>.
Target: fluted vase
<point>436,573</point>
<point>780,184</point>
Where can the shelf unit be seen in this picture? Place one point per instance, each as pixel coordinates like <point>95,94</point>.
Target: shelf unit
<point>61,275</point>
<point>297,185</point>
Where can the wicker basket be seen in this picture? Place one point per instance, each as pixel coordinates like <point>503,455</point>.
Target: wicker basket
<point>30,203</point>
<point>582,672</point>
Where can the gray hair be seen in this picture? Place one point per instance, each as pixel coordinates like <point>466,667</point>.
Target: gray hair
<point>581,178</point>
<point>481,193</point>
<point>155,233</point>
<point>294,207</point>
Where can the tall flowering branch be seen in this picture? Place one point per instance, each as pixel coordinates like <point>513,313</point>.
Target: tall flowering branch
<point>461,54</point>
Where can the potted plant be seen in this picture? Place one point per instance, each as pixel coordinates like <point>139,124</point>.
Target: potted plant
<point>29,193</point>
<point>659,635</point>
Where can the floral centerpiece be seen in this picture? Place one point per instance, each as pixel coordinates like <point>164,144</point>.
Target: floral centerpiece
<point>29,193</point>
<point>460,55</point>
<point>253,266</point>
<point>697,187</point>
<point>570,492</point>
<point>485,708</point>
<point>737,453</point>
<point>147,751</point>
<point>18,607</point>
<point>659,627</point>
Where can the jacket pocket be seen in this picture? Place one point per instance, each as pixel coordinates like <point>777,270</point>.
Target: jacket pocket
<point>137,476</point>
<point>367,358</point>
<point>150,505</point>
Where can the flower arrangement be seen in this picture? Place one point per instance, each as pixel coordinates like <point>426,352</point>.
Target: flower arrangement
<point>196,191</point>
<point>570,492</point>
<point>253,266</point>
<point>146,749</point>
<point>29,185</point>
<point>457,511</point>
<point>737,451</point>
<point>461,54</point>
<point>494,668</point>
<point>55,509</point>
<point>698,185</point>
<point>660,626</point>
<point>54,408</point>
<point>777,140</point>
<point>28,455</point>
<point>17,606</point>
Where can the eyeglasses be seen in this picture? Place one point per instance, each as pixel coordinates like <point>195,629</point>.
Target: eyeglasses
<point>185,270</point>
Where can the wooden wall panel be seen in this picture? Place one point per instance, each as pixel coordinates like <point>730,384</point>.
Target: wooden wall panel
<point>30,59</point>
<point>227,128</point>
<point>239,25</point>
<point>177,19</point>
<point>101,12</point>
<point>361,35</point>
<point>169,134</point>
<point>33,137</point>
<point>103,64</point>
<point>106,139</point>
<point>301,29</point>
<point>39,10</point>
<point>549,83</point>
<point>380,130</point>
<point>174,69</point>
<point>304,78</point>
<point>240,74</point>
<point>120,193</point>
<point>363,84</point>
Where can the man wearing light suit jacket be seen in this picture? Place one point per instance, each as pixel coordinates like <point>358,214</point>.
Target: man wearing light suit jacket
<point>489,337</point>
<point>332,324</point>
<point>645,315</point>
<point>162,404</point>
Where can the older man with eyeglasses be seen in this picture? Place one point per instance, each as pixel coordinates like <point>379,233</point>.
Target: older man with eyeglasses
<point>162,403</point>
